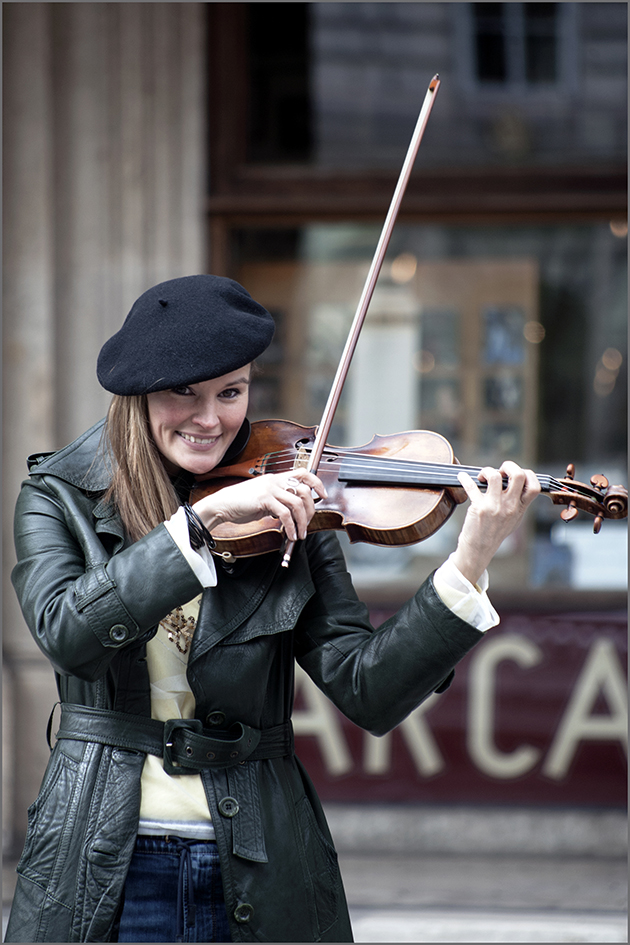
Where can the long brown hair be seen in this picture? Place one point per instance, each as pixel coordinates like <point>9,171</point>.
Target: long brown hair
<point>140,489</point>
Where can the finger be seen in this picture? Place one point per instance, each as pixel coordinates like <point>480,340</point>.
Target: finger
<point>310,480</point>
<point>302,511</point>
<point>470,486</point>
<point>510,468</point>
<point>301,489</point>
<point>281,508</point>
<point>515,474</point>
<point>525,482</point>
<point>292,484</point>
<point>515,486</point>
<point>297,499</point>
<point>532,486</point>
<point>493,480</point>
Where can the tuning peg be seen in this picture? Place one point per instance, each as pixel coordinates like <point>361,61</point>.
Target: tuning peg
<point>599,482</point>
<point>568,514</point>
<point>570,471</point>
<point>597,524</point>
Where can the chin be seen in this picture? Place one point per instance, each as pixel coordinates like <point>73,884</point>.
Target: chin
<point>198,465</point>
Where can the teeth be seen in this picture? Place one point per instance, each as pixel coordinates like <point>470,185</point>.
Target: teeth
<point>198,439</point>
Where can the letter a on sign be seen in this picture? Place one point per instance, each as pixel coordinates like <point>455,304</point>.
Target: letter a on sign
<point>602,673</point>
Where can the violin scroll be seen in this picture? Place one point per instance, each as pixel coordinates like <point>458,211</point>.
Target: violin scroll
<point>599,498</point>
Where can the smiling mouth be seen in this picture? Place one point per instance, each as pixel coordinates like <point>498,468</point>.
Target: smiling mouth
<point>203,440</point>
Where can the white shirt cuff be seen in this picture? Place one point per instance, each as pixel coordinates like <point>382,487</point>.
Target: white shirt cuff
<point>200,561</point>
<point>467,601</point>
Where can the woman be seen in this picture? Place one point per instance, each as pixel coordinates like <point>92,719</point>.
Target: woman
<point>173,807</point>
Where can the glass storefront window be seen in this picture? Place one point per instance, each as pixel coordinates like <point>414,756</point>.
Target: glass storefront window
<point>508,341</point>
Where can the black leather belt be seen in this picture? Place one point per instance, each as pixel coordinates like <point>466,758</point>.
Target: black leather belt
<point>183,744</point>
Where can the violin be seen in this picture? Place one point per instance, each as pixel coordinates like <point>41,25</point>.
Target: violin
<point>395,490</point>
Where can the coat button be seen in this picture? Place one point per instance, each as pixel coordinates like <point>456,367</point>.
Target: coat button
<point>228,807</point>
<point>118,633</point>
<point>243,912</point>
<point>215,718</point>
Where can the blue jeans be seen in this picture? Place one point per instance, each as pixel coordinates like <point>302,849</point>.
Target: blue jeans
<point>174,893</point>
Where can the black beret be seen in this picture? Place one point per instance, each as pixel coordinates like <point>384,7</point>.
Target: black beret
<point>182,332</point>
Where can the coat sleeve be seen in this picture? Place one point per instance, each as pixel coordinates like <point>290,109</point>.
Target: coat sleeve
<point>81,605</point>
<point>375,677</point>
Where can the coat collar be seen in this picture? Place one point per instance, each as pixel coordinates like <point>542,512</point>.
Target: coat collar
<point>84,462</point>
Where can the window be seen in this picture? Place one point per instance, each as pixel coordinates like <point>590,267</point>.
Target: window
<point>516,42</point>
<point>490,41</point>
<point>540,42</point>
<point>506,340</point>
<point>279,125</point>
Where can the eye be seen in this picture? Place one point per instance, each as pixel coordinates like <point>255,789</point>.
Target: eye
<point>230,393</point>
<point>182,391</point>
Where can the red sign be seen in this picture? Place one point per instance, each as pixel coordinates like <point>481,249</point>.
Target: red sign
<point>536,714</point>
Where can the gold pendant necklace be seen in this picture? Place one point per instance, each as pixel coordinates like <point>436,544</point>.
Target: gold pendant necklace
<point>179,629</point>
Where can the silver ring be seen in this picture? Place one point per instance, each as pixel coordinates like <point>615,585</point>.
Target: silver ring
<point>291,484</point>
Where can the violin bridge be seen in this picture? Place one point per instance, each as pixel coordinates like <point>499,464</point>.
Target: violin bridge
<point>301,459</point>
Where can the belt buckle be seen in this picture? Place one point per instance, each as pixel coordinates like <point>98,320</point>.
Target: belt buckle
<point>170,727</point>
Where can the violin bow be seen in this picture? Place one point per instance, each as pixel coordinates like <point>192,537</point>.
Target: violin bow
<point>368,290</point>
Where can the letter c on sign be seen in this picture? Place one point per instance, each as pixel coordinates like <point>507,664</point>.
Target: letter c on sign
<point>482,683</point>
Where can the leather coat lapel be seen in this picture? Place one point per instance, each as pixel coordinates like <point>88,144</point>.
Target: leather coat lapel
<point>224,617</point>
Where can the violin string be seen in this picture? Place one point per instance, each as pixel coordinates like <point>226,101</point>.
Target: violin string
<point>409,468</point>
<point>405,471</point>
<point>353,460</point>
<point>371,461</point>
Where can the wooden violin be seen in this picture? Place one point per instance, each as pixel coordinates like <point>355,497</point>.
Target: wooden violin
<point>395,490</point>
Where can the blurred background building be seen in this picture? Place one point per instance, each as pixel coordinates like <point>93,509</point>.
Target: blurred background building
<point>144,141</point>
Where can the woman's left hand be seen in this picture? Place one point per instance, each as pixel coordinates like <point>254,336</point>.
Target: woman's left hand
<point>492,515</point>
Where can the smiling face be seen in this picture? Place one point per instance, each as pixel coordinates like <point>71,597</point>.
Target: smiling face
<point>193,426</point>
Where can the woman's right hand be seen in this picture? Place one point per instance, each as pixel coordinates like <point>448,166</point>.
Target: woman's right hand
<point>285,496</point>
<point>492,515</point>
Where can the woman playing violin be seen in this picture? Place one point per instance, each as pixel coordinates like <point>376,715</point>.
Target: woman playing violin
<point>173,807</point>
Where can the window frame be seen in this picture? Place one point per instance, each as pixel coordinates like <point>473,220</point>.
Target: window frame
<point>516,89</point>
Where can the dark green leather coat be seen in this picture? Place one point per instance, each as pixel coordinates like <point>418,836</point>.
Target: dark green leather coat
<point>92,600</point>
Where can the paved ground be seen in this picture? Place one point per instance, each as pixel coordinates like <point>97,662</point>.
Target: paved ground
<point>489,882</point>
<point>463,898</point>
<point>431,925</point>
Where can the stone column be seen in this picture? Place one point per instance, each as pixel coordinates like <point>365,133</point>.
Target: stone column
<point>104,188</point>
<point>28,375</point>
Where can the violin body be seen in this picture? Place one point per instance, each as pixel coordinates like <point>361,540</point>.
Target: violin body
<point>400,514</point>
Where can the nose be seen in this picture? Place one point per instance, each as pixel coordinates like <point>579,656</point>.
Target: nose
<point>206,414</point>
